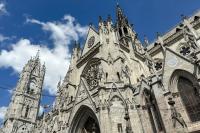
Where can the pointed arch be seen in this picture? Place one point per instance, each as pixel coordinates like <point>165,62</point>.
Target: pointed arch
<point>185,85</point>
<point>116,93</point>
<point>22,128</point>
<point>84,119</point>
<point>31,85</point>
<point>116,97</point>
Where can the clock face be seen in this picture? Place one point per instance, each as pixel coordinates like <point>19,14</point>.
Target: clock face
<point>91,41</point>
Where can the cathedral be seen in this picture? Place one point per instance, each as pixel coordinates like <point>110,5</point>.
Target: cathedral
<point>117,84</point>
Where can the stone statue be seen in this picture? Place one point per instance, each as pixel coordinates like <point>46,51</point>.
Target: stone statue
<point>176,117</point>
<point>190,38</point>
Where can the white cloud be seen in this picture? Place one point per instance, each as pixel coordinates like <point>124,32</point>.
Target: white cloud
<point>56,59</point>
<point>3,8</point>
<point>3,110</point>
<point>3,38</point>
<point>62,32</point>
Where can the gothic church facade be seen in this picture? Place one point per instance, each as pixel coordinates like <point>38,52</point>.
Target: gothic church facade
<point>116,84</point>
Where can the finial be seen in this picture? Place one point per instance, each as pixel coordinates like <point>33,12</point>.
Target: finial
<point>157,34</point>
<point>117,4</point>
<point>43,64</point>
<point>38,54</point>
<point>59,82</point>
<point>136,36</point>
<point>43,67</point>
<point>109,18</point>
<point>132,25</point>
<point>75,43</point>
<point>118,8</point>
<point>100,19</point>
<point>146,42</point>
<point>78,45</point>
<point>90,24</point>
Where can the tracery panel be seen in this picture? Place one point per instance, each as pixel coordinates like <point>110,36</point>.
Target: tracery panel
<point>190,98</point>
<point>91,73</point>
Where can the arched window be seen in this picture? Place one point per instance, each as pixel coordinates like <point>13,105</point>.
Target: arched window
<point>27,110</point>
<point>190,98</point>
<point>31,85</point>
<point>71,98</point>
<point>125,31</point>
<point>118,75</point>
<point>120,32</point>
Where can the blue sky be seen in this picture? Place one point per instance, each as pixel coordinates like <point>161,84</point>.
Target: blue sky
<point>52,25</point>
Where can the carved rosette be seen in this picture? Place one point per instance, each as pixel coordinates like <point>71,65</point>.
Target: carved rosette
<point>91,73</point>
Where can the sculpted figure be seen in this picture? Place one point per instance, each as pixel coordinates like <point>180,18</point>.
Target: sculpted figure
<point>190,38</point>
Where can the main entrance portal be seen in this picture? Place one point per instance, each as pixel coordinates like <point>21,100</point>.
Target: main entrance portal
<point>85,121</point>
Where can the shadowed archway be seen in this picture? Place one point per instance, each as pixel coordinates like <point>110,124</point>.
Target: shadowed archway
<point>85,121</point>
<point>185,85</point>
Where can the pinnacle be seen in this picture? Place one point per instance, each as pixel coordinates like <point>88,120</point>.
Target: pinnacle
<point>38,54</point>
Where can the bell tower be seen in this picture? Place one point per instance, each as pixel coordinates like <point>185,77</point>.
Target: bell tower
<point>127,37</point>
<point>24,106</point>
<point>123,27</point>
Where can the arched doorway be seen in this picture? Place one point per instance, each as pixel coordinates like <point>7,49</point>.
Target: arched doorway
<point>85,121</point>
<point>185,85</point>
<point>190,98</point>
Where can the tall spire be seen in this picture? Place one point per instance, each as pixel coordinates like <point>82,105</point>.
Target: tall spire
<point>121,18</point>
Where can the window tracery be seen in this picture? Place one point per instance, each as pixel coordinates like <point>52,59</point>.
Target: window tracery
<point>91,73</point>
<point>158,64</point>
<point>190,100</point>
<point>184,49</point>
<point>26,112</point>
<point>31,86</point>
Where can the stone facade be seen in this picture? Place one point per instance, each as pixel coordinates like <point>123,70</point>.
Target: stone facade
<point>116,85</point>
<point>23,110</point>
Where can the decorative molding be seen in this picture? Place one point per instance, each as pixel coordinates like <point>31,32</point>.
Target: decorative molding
<point>93,51</point>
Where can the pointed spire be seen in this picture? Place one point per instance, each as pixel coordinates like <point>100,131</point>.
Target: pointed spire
<point>78,46</point>
<point>119,13</point>
<point>59,83</point>
<point>43,67</point>
<point>75,44</point>
<point>121,18</point>
<point>90,24</point>
<point>100,19</point>
<point>146,41</point>
<point>38,54</point>
<point>157,34</point>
